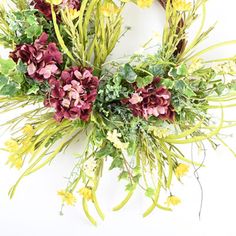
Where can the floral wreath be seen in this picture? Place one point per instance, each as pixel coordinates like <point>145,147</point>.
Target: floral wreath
<point>135,114</point>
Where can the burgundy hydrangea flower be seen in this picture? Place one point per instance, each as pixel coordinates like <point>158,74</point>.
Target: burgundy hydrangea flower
<point>43,7</point>
<point>42,58</point>
<point>73,94</point>
<point>151,101</point>
<point>72,4</point>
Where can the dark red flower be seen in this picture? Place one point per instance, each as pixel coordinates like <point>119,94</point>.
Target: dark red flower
<point>151,101</point>
<point>42,58</point>
<point>43,7</point>
<point>73,95</point>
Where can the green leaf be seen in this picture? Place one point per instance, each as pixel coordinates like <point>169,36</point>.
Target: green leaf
<point>130,187</point>
<point>16,77</point>
<point>144,81</point>
<point>149,192</point>
<point>33,90</point>
<point>123,175</point>
<point>105,151</point>
<point>173,73</point>
<point>136,178</point>
<point>116,163</point>
<point>8,90</point>
<point>178,72</point>
<point>6,66</point>
<point>180,85</point>
<point>168,83</point>
<point>189,92</point>
<point>21,67</point>
<point>182,70</point>
<point>3,81</point>
<point>128,73</point>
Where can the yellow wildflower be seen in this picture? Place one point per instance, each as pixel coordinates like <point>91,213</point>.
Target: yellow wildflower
<point>228,68</point>
<point>144,3</point>
<point>67,197</point>
<point>54,2</point>
<point>159,132</point>
<point>15,161</point>
<point>86,193</point>
<point>74,13</point>
<point>28,130</point>
<point>181,170</point>
<point>11,146</point>
<point>181,5</point>
<point>173,200</point>
<point>114,138</point>
<point>109,8</point>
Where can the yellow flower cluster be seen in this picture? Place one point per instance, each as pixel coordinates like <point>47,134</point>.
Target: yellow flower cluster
<point>86,193</point>
<point>140,3</point>
<point>228,68</point>
<point>173,201</point>
<point>158,132</point>
<point>181,170</point>
<point>109,8</point>
<point>67,197</point>
<point>14,159</point>
<point>28,130</point>
<point>70,199</point>
<point>16,149</point>
<point>181,5</point>
<point>113,137</point>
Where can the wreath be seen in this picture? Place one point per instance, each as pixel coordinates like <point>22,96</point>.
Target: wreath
<point>135,114</point>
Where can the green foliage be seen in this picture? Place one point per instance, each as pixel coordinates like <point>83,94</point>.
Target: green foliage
<point>149,192</point>
<point>144,81</point>
<point>25,25</point>
<point>127,73</point>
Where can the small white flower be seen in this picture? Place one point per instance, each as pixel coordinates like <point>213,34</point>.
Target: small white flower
<point>113,137</point>
<point>89,167</point>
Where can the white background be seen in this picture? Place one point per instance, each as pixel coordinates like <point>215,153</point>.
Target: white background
<point>35,208</point>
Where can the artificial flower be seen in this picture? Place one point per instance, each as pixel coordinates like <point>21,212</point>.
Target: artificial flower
<point>173,200</point>
<point>109,8</point>
<point>67,197</point>
<point>86,193</point>
<point>74,13</point>
<point>89,167</point>
<point>181,5</point>
<point>144,3</point>
<point>181,170</point>
<point>42,58</point>
<point>71,4</point>
<point>136,98</point>
<point>159,132</point>
<point>12,146</point>
<point>113,137</point>
<point>228,68</point>
<point>140,3</point>
<point>73,95</point>
<point>15,160</point>
<point>44,6</point>
<point>28,130</point>
<point>151,101</point>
